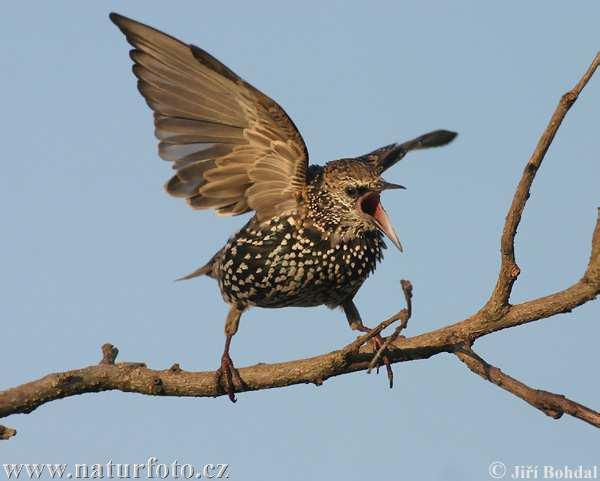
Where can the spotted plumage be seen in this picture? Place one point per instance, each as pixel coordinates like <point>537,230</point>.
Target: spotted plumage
<point>289,262</point>
<point>317,231</point>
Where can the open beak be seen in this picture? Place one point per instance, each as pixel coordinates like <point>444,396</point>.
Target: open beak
<point>370,204</point>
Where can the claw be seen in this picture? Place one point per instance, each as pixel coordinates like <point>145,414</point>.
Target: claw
<point>377,342</point>
<point>225,375</point>
<point>356,324</point>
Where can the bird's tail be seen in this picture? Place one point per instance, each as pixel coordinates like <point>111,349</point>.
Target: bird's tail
<point>205,270</point>
<point>202,271</point>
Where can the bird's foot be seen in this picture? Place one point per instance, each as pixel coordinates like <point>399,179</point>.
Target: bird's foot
<point>378,342</point>
<point>225,376</point>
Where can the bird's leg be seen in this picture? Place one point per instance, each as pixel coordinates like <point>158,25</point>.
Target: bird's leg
<point>356,324</point>
<point>227,372</point>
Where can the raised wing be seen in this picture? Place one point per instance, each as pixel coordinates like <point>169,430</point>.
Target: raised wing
<point>234,148</point>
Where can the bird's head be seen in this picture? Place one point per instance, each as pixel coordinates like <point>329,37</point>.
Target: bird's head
<point>346,197</point>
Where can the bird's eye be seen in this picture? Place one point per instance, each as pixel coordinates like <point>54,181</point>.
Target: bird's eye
<point>352,191</point>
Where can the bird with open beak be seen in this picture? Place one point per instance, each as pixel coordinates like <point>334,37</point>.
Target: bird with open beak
<point>316,232</point>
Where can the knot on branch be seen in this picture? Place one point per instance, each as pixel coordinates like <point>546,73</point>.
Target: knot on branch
<point>109,354</point>
<point>157,387</point>
<point>68,380</point>
<point>175,368</point>
<point>569,98</point>
<point>550,403</point>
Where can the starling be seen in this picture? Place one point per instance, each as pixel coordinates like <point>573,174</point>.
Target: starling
<point>317,231</point>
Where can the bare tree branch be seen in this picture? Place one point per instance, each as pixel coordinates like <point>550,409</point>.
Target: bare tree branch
<point>497,314</point>
<point>509,270</point>
<point>136,377</point>
<point>553,405</point>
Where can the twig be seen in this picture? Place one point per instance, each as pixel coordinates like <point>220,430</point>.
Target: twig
<point>109,354</point>
<point>592,273</point>
<point>383,325</point>
<point>403,316</point>
<point>551,404</point>
<point>509,270</point>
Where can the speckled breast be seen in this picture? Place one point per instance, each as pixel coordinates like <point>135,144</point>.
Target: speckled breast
<point>281,264</point>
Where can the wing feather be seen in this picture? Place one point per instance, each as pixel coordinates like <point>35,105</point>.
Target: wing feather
<point>233,148</point>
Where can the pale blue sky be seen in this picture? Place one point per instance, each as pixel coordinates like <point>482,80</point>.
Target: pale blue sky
<point>91,243</point>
